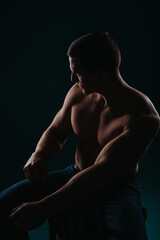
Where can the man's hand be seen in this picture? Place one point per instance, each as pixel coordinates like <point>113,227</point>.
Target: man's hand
<point>28,216</point>
<point>36,168</point>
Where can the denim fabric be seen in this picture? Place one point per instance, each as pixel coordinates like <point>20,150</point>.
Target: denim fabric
<point>112,212</point>
<point>119,211</point>
<point>27,191</point>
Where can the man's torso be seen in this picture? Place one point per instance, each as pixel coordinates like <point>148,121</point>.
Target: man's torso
<point>95,123</point>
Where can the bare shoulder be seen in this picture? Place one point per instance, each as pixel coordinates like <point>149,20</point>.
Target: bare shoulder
<point>144,116</point>
<point>73,96</point>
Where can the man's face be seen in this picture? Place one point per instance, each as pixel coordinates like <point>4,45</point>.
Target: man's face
<point>79,75</point>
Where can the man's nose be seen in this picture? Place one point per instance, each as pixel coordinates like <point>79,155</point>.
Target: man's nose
<point>74,78</point>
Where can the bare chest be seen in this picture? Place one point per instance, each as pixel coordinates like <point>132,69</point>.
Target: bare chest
<point>92,121</point>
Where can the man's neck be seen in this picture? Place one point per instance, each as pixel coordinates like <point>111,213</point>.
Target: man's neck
<point>114,91</point>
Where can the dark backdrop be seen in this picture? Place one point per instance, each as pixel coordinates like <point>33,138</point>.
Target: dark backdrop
<point>35,78</point>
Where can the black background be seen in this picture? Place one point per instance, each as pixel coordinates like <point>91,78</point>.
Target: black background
<point>35,77</point>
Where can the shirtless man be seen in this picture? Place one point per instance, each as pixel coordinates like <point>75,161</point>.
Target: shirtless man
<point>114,123</point>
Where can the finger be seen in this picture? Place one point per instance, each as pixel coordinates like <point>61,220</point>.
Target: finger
<point>26,172</point>
<point>24,224</point>
<point>30,172</point>
<point>34,173</point>
<point>15,214</point>
<point>18,221</point>
<point>17,211</point>
<point>14,209</point>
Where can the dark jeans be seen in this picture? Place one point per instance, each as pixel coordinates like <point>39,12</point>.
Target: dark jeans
<point>114,211</point>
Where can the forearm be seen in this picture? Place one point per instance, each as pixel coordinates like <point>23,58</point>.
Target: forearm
<point>82,184</point>
<point>48,145</point>
<point>79,186</point>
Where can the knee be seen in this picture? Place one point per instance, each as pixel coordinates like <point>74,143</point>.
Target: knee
<point>2,200</point>
<point>5,204</point>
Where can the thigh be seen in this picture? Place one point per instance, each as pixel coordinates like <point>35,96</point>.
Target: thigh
<point>27,191</point>
<point>23,191</point>
<point>119,215</point>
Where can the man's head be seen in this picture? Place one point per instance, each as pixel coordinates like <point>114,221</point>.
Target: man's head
<point>92,57</point>
<point>96,51</point>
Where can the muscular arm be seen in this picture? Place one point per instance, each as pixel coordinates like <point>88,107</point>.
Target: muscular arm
<point>51,141</point>
<point>117,155</point>
<point>54,137</point>
<point>57,133</point>
<point>115,158</point>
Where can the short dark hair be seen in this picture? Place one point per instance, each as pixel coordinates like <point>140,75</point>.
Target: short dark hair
<point>96,51</point>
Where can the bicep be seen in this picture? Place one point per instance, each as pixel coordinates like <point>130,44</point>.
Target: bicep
<point>119,149</point>
<point>131,144</point>
<point>61,124</point>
